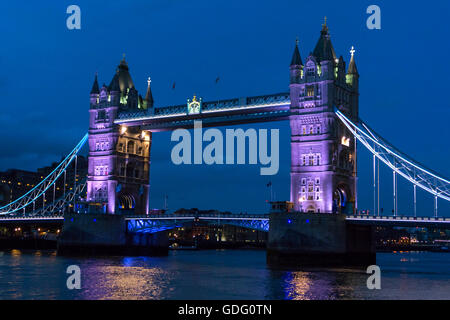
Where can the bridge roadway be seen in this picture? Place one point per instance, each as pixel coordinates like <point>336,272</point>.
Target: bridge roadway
<point>256,221</point>
<point>274,107</point>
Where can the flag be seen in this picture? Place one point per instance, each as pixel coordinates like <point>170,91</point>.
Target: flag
<point>269,184</point>
<point>173,86</point>
<point>217,79</point>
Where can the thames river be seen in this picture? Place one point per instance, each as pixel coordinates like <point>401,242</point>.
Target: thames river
<point>217,274</point>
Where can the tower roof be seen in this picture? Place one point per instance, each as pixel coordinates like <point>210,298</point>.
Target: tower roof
<point>149,95</point>
<point>324,49</point>
<point>296,59</point>
<point>95,89</point>
<point>122,78</point>
<point>352,65</point>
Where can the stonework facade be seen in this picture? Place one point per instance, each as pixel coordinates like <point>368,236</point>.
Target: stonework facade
<point>119,157</point>
<point>323,152</point>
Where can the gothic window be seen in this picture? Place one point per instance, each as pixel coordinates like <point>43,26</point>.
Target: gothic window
<point>304,130</point>
<point>97,146</point>
<point>318,159</point>
<point>303,181</point>
<point>317,180</point>
<point>310,91</point>
<point>318,129</point>
<point>130,147</point>
<point>120,147</point>
<point>303,161</point>
<point>101,170</point>
<point>101,115</point>
<point>311,159</point>
<point>101,193</point>
<point>311,131</point>
<point>310,71</point>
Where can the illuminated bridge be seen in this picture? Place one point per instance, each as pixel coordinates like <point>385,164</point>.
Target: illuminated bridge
<point>322,108</point>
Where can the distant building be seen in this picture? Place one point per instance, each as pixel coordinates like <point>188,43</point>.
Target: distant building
<point>14,183</point>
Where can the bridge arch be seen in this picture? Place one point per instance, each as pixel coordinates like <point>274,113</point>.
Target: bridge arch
<point>126,202</point>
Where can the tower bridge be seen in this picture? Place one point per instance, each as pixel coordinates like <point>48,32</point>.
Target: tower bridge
<point>322,107</point>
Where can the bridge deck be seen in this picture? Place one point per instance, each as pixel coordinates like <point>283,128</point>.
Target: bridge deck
<point>442,222</point>
<point>272,107</point>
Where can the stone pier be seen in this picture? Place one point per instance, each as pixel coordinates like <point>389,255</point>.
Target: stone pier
<point>318,239</point>
<point>106,234</point>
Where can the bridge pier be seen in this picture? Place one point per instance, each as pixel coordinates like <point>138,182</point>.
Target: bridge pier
<point>104,234</point>
<point>319,240</point>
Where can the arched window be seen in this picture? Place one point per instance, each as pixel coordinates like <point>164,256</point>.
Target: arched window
<point>130,147</point>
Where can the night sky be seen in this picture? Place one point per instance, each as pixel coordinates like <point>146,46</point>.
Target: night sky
<point>46,73</point>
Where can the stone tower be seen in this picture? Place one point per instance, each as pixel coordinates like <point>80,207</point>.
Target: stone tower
<point>119,157</point>
<point>323,157</point>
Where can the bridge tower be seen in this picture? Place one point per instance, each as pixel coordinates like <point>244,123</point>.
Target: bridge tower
<point>323,157</point>
<point>119,157</point>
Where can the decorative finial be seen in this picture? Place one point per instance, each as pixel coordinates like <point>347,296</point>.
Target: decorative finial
<point>352,51</point>
<point>296,41</point>
<point>148,81</point>
<point>325,21</point>
<point>123,56</point>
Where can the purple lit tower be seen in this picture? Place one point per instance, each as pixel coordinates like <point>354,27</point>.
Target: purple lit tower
<point>119,157</point>
<point>323,157</point>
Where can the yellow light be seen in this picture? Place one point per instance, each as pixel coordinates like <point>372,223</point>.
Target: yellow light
<point>123,129</point>
<point>345,141</point>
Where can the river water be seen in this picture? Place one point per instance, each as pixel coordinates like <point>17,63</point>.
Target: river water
<point>217,274</point>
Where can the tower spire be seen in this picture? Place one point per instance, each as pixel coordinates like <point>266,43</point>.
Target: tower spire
<point>95,89</point>
<point>352,65</point>
<point>296,59</point>
<point>148,95</point>
<point>324,25</point>
<point>324,49</point>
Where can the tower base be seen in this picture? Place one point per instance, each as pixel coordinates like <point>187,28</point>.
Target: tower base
<point>318,240</point>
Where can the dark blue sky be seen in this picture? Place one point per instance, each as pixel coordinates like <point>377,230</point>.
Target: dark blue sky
<point>47,72</point>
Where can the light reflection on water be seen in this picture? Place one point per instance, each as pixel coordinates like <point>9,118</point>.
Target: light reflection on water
<point>216,274</point>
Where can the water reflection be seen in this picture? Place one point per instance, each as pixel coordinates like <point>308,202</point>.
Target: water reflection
<point>318,284</point>
<point>127,278</point>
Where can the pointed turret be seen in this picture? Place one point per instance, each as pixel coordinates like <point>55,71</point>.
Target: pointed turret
<point>114,85</point>
<point>352,65</point>
<point>324,49</point>
<point>352,75</point>
<point>122,79</point>
<point>149,95</point>
<point>296,59</point>
<point>95,89</point>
